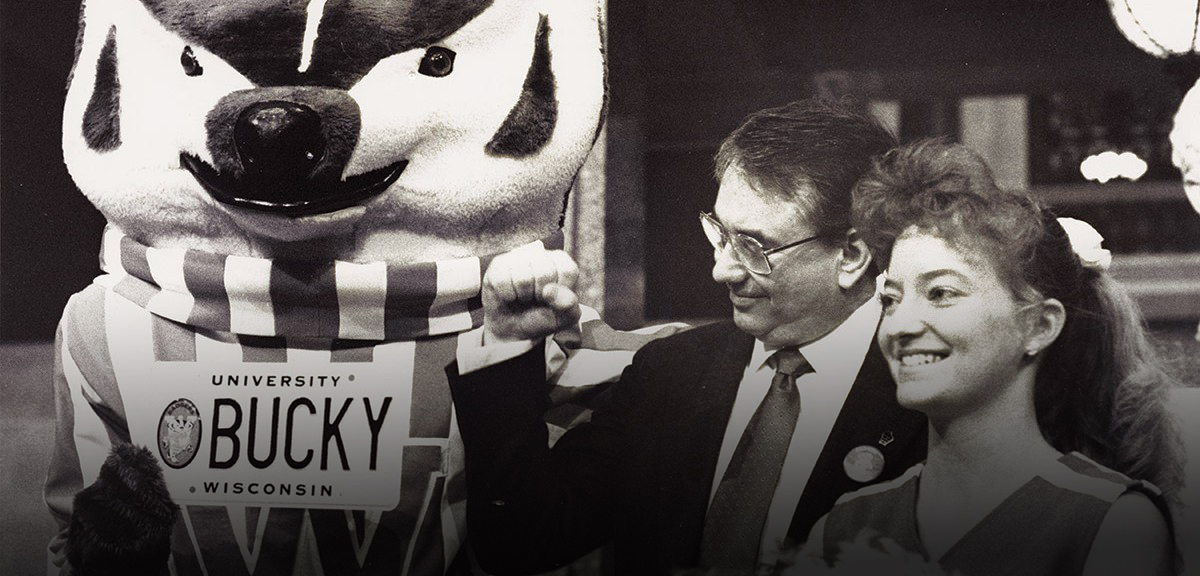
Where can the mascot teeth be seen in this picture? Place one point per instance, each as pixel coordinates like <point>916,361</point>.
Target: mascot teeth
<point>298,199</point>
<point>283,150</point>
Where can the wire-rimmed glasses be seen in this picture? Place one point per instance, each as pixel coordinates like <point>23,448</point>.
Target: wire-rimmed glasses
<point>746,250</point>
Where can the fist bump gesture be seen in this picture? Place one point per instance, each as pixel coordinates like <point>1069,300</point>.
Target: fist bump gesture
<point>529,294</point>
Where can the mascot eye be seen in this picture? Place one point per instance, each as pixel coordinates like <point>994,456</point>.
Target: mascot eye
<point>191,66</point>
<point>437,62</point>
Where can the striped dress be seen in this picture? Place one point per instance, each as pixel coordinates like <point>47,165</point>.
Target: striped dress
<point>301,411</point>
<point>1045,528</point>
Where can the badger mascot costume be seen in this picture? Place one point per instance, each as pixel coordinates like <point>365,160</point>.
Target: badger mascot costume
<point>301,196</point>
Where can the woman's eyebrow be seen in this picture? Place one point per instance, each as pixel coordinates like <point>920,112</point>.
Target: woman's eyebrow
<point>929,275</point>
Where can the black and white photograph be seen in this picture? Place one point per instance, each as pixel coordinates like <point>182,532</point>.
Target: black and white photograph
<point>600,287</point>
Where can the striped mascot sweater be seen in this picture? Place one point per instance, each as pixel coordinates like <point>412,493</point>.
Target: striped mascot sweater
<point>300,411</point>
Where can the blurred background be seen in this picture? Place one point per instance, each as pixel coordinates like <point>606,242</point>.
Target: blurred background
<point>1037,86</point>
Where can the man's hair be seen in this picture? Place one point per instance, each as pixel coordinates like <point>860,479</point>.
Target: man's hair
<point>808,143</point>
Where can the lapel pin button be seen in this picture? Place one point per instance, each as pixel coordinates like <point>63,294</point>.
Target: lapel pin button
<point>863,463</point>
<point>886,438</point>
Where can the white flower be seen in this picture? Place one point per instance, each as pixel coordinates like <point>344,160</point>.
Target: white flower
<point>1085,241</point>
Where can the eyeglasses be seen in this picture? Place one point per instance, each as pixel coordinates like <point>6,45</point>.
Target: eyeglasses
<point>746,250</point>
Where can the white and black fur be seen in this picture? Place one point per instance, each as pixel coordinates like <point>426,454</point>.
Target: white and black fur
<point>366,130</point>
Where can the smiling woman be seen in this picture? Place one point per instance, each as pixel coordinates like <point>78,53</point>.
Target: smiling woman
<point>1047,430</point>
<point>953,333</point>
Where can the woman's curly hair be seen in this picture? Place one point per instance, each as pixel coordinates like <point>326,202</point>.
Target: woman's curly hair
<point>1100,389</point>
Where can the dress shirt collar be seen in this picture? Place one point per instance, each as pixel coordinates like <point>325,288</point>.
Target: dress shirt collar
<point>828,354</point>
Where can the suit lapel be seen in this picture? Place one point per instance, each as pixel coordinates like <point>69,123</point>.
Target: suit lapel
<point>705,380</point>
<point>716,398</point>
<point>870,417</point>
<point>719,382</point>
<point>709,387</point>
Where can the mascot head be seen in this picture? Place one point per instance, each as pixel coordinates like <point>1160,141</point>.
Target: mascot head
<point>362,130</point>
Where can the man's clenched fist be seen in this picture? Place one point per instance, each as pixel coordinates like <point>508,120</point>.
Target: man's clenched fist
<point>529,294</point>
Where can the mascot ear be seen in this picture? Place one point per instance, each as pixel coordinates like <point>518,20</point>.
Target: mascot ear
<point>122,523</point>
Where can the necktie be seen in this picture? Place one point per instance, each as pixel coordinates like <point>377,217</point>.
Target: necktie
<point>734,523</point>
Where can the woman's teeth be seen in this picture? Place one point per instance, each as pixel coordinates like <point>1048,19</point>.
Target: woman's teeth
<point>919,359</point>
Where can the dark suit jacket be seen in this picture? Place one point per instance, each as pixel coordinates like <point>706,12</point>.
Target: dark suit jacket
<point>640,473</point>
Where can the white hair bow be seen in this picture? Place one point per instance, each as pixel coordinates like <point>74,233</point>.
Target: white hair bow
<point>1085,241</point>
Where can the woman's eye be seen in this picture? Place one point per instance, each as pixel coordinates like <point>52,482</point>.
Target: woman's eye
<point>941,295</point>
<point>191,66</point>
<point>437,62</point>
<point>888,301</point>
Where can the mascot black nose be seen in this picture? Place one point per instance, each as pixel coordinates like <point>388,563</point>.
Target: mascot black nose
<point>280,143</point>
<point>284,150</point>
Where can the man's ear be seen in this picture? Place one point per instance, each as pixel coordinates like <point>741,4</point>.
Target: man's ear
<point>1045,322</point>
<point>854,261</point>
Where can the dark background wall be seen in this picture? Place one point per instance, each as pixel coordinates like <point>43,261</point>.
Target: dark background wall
<point>702,71</point>
<point>49,234</point>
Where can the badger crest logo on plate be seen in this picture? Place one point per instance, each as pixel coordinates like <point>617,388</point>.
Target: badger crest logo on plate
<point>179,433</point>
<point>402,131</point>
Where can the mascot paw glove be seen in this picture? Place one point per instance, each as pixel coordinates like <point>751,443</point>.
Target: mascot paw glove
<point>122,523</point>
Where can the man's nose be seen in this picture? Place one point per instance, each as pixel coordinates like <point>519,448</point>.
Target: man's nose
<point>726,269</point>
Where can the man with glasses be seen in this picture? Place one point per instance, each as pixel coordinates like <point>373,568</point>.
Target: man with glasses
<point>724,443</point>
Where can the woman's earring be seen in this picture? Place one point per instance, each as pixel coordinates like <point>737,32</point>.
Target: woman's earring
<point>1032,351</point>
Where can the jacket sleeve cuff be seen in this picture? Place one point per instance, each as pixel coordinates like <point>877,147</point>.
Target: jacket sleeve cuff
<point>473,355</point>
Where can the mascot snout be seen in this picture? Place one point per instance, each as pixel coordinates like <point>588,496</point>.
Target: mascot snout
<point>284,150</point>
<point>278,142</point>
